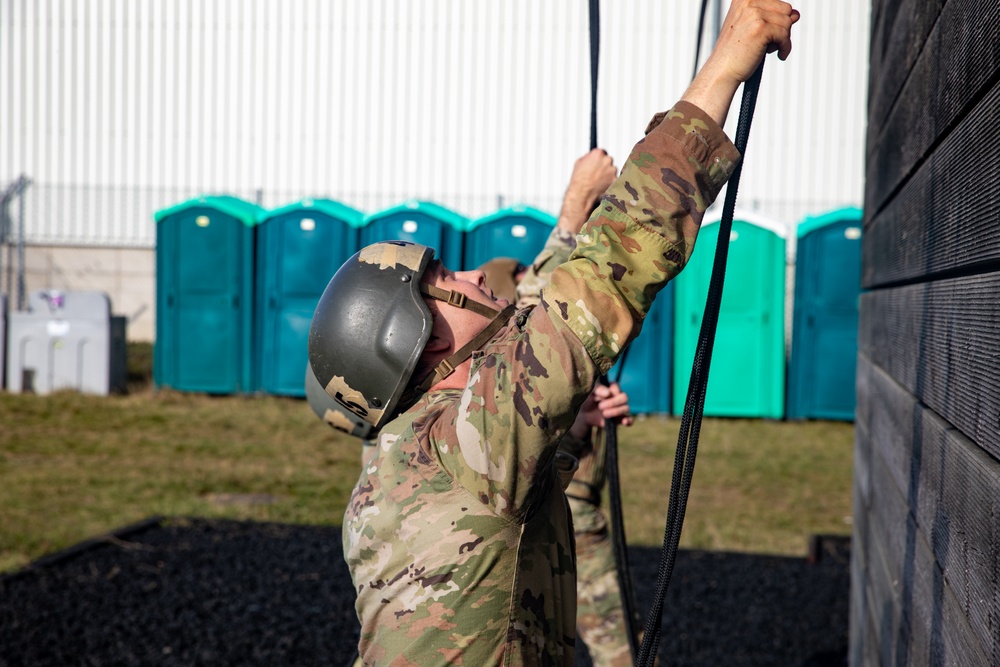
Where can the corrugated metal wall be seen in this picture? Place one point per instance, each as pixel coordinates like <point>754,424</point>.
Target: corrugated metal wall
<point>117,108</point>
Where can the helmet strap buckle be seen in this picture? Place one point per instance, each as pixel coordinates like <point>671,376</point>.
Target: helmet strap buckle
<point>456,299</point>
<point>444,369</point>
<point>447,366</point>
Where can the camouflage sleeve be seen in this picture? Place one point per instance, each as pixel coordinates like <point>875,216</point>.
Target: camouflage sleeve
<point>558,248</point>
<point>524,390</point>
<point>643,232</point>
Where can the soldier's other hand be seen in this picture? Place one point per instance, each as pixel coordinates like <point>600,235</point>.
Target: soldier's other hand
<point>604,403</point>
<point>593,174</point>
<point>612,402</point>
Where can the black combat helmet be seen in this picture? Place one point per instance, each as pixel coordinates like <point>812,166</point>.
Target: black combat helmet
<point>371,326</point>
<point>331,412</point>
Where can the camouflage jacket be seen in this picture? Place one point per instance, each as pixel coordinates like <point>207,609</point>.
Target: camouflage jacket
<point>457,534</point>
<point>588,480</point>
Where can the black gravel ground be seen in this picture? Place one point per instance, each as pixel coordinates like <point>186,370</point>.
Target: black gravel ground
<point>200,592</point>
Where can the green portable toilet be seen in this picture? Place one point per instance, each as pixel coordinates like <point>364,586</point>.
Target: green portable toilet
<point>419,222</point>
<point>747,377</point>
<point>299,248</point>
<point>519,232</point>
<point>821,369</point>
<point>204,295</point>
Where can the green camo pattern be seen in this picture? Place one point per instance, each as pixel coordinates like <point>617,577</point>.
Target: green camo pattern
<point>600,613</point>
<point>458,534</point>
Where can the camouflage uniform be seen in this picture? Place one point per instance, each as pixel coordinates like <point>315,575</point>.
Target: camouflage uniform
<point>600,617</point>
<point>458,533</point>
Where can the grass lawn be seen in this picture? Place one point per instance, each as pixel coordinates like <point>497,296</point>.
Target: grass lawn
<point>75,466</point>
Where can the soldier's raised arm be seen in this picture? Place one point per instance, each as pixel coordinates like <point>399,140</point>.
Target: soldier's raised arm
<point>751,29</point>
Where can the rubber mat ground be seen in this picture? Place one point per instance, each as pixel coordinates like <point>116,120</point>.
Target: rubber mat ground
<point>201,592</point>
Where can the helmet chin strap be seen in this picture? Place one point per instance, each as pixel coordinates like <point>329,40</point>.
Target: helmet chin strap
<point>457,299</point>
<point>497,320</point>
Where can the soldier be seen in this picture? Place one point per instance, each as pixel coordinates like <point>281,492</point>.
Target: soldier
<point>502,274</point>
<point>600,615</point>
<point>600,618</point>
<point>457,534</point>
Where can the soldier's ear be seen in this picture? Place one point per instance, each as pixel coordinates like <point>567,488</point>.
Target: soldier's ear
<point>437,344</point>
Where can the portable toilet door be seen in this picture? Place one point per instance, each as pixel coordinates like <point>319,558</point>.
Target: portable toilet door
<point>821,370</point>
<point>420,222</point>
<point>646,368</point>
<point>747,377</point>
<point>299,248</point>
<point>519,232</point>
<point>204,296</point>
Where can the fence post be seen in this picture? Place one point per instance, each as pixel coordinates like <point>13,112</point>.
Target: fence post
<point>15,189</point>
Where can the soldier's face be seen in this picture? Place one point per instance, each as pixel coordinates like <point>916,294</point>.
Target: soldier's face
<point>458,324</point>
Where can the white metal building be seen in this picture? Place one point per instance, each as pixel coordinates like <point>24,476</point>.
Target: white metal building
<point>118,108</point>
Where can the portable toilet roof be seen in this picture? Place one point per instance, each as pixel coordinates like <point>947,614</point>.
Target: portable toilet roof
<point>748,361</point>
<point>299,248</point>
<point>821,369</point>
<point>455,220</point>
<point>518,210</point>
<point>757,220</point>
<point>329,207</point>
<point>813,222</point>
<point>246,212</point>
<point>517,231</point>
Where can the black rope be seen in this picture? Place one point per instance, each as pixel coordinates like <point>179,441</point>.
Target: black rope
<point>595,50</point>
<point>697,44</point>
<point>694,406</point>
<point>619,544</point>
